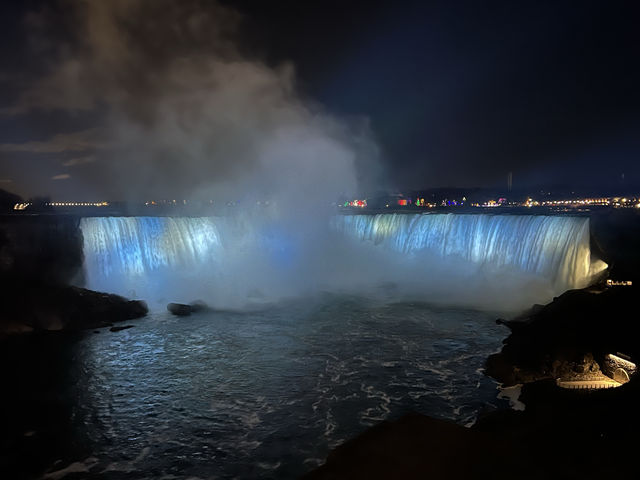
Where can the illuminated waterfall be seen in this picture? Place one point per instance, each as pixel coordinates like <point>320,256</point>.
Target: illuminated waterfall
<point>130,255</point>
<point>551,247</point>
<point>222,260</point>
<point>473,260</point>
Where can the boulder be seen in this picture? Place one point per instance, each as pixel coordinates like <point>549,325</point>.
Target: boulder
<point>570,336</point>
<point>183,310</point>
<point>56,308</point>
<point>180,309</point>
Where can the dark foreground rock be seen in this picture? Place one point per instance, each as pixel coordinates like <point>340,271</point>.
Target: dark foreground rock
<point>55,307</point>
<point>414,446</point>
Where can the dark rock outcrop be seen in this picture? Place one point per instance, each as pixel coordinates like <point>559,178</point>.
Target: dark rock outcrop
<point>43,249</point>
<point>39,256</point>
<point>180,309</point>
<point>615,233</point>
<point>415,446</point>
<point>573,333</point>
<point>52,308</point>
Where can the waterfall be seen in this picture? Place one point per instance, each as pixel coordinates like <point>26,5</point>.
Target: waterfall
<point>130,255</point>
<point>483,261</point>
<point>222,260</point>
<point>552,247</point>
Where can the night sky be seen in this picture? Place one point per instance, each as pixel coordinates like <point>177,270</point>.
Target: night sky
<point>440,93</point>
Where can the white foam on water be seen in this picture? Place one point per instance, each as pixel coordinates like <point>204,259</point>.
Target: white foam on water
<point>513,395</point>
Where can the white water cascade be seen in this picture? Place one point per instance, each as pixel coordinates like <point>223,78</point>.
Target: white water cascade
<point>482,261</point>
<point>552,247</point>
<point>133,255</point>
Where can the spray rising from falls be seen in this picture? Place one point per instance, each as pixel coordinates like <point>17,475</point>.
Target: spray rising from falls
<point>501,261</point>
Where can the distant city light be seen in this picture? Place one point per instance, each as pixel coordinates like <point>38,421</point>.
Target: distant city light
<point>77,204</point>
<point>418,201</point>
<point>26,205</point>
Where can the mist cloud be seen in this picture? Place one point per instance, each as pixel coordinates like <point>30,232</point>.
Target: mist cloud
<point>183,112</point>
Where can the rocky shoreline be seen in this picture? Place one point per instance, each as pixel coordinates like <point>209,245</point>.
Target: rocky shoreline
<point>40,258</point>
<point>570,337</point>
<point>57,307</point>
<point>561,433</point>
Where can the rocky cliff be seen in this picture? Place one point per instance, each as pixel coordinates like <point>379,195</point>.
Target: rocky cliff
<point>40,258</point>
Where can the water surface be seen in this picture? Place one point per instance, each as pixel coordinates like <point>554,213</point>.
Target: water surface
<point>261,394</point>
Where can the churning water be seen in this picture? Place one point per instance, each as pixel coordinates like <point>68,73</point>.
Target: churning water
<point>262,394</point>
